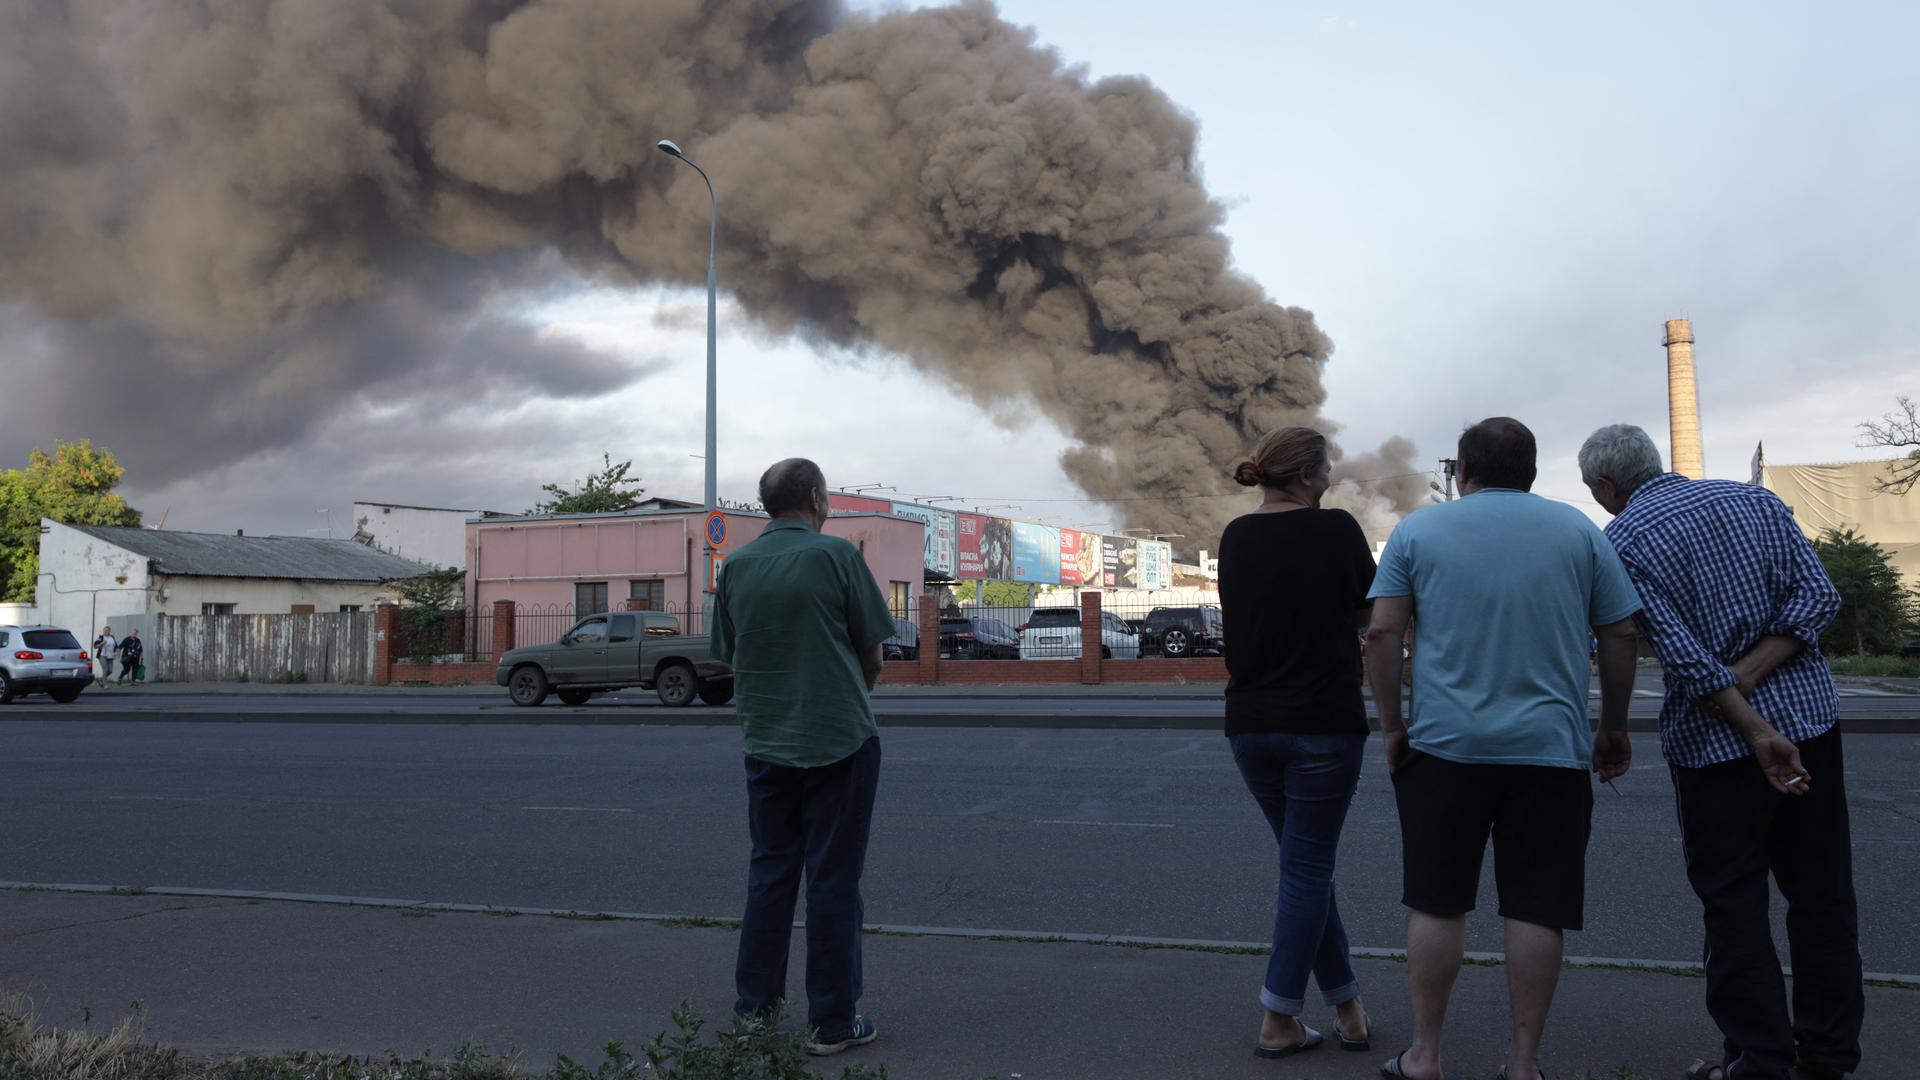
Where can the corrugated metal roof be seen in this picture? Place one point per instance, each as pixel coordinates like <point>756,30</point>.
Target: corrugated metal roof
<point>298,558</point>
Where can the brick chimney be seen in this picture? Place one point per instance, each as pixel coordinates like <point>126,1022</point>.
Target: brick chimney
<point>1683,401</point>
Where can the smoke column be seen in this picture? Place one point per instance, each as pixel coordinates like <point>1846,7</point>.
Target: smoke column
<point>263,206</point>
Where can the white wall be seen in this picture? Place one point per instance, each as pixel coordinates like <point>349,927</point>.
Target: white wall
<point>19,615</point>
<point>262,596</point>
<point>86,582</point>
<point>434,537</point>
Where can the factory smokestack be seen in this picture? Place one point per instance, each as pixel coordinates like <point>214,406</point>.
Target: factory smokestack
<point>1683,402</point>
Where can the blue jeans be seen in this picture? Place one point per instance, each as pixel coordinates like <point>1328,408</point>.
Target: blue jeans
<point>1304,784</point>
<point>814,820</point>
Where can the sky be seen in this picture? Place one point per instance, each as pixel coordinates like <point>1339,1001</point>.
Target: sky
<point>1491,209</point>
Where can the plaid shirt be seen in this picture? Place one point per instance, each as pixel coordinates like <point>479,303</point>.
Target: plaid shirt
<point>1720,565</point>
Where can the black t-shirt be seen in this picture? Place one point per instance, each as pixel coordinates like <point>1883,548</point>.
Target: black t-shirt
<point>1292,587</point>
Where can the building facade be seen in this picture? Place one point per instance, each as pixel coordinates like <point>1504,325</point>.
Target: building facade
<point>90,575</point>
<point>432,535</point>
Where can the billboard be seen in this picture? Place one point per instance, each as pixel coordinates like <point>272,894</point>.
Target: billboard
<point>1156,564</point>
<point>1080,558</point>
<point>1036,553</point>
<point>1120,563</point>
<point>940,529</point>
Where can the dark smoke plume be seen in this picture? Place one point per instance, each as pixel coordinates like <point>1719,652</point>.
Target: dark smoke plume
<point>265,207</point>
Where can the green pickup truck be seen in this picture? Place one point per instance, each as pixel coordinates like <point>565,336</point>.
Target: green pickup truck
<point>613,651</point>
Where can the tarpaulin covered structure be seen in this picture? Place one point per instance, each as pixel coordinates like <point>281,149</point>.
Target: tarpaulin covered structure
<point>1845,495</point>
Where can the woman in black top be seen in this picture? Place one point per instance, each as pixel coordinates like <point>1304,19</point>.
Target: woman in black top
<point>1293,587</point>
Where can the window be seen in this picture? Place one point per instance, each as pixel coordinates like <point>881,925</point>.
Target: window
<point>4,638</point>
<point>217,609</point>
<point>899,597</point>
<point>589,597</point>
<point>1054,616</point>
<point>663,626</point>
<point>623,627</point>
<point>49,639</point>
<point>654,592</point>
<point>591,632</point>
<point>346,608</point>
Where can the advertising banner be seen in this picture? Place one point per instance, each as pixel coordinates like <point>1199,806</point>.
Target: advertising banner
<point>1036,553</point>
<point>967,560</point>
<point>1120,563</point>
<point>1156,565</point>
<point>1070,556</point>
<point>857,504</point>
<point>940,528</point>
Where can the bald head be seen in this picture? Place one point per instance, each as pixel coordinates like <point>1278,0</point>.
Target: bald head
<point>794,488</point>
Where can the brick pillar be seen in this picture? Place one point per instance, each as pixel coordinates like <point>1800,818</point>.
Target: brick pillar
<point>1090,638</point>
<point>386,634</point>
<point>929,616</point>
<point>503,616</point>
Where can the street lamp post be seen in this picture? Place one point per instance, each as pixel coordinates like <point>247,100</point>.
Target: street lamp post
<point>713,367</point>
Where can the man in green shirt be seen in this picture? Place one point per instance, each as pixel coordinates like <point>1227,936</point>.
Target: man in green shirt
<point>799,617</point>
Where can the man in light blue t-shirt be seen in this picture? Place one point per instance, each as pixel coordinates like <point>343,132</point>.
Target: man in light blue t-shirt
<point>1504,591</point>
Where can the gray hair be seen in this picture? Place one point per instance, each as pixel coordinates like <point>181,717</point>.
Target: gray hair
<point>1623,453</point>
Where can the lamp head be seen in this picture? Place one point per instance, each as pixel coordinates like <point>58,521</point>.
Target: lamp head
<point>667,146</point>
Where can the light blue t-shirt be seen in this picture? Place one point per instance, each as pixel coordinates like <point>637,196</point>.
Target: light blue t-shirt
<point>1506,587</point>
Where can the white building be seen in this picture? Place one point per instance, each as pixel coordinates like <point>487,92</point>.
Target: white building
<point>436,536</point>
<point>91,574</point>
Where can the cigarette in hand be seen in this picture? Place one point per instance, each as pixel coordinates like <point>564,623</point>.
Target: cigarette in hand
<point>1796,780</point>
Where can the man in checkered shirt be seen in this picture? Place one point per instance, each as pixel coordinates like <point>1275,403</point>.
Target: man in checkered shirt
<point>1734,599</point>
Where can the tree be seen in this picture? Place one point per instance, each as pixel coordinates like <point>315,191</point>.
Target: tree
<point>426,603</point>
<point>603,491</point>
<point>74,486</point>
<point>1901,431</point>
<point>1876,609</point>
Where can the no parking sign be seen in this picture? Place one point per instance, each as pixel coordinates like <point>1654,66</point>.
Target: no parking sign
<point>716,530</point>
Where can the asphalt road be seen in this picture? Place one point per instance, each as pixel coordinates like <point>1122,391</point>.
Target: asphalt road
<point>1194,707</point>
<point>1124,832</point>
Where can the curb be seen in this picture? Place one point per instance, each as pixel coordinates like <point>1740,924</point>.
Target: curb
<point>1677,968</point>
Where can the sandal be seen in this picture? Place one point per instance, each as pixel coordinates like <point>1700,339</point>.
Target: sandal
<point>1361,1044</point>
<point>1391,1070</point>
<point>1700,1070</point>
<point>1313,1042</point>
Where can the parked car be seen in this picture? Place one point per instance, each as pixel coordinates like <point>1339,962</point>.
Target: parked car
<point>613,651</point>
<point>42,660</point>
<point>904,644</point>
<point>978,637</point>
<point>1054,634</point>
<point>1179,632</point>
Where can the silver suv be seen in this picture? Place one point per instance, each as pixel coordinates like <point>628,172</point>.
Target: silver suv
<point>36,659</point>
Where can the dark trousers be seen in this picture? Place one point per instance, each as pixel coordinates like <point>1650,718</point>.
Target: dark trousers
<point>1737,830</point>
<point>816,821</point>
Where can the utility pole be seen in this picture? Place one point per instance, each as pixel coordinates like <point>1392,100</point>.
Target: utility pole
<point>1447,467</point>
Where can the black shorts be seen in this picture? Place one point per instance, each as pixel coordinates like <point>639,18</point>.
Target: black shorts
<point>1539,818</point>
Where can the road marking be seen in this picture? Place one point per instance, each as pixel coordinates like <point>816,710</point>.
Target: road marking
<point>1110,824</point>
<point>583,809</point>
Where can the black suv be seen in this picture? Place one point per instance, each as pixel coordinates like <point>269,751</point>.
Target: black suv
<point>978,638</point>
<point>1180,632</point>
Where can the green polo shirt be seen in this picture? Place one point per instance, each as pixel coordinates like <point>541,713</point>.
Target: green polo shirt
<point>793,612</point>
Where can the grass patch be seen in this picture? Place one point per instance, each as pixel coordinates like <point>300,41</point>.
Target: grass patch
<point>700,922</point>
<point>128,890</point>
<point>1899,667</point>
<point>31,1050</point>
<point>586,916</point>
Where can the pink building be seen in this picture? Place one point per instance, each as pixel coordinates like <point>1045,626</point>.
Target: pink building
<point>600,562</point>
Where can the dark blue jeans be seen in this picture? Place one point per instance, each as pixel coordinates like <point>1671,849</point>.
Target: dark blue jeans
<point>1304,784</point>
<point>816,821</point>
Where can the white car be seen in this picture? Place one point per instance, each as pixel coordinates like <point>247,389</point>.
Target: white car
<point>1054,634</point>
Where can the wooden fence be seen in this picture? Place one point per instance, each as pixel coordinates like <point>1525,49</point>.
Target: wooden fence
<point>332,647</point>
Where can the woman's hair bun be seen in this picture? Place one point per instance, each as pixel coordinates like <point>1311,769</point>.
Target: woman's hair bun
<point>1247,474</point>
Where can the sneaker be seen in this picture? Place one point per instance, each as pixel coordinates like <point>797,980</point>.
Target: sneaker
<point>860,1034</point>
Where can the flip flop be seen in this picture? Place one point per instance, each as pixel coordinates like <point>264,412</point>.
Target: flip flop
<point>1391,1070</point>
<point>1700,1070</point>
<point>1314,1041</point>
<point>1363,1043</point>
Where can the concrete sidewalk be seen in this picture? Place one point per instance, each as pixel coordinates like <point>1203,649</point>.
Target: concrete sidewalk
<point>219,975</point>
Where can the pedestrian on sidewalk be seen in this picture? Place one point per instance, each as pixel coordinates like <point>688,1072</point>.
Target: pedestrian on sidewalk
<point>1293,593</point>
<point>799,617</point>
<point>1735,600</point>
<point>1503,588</point>
<point>104,650</point>
<point>131,653</point>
